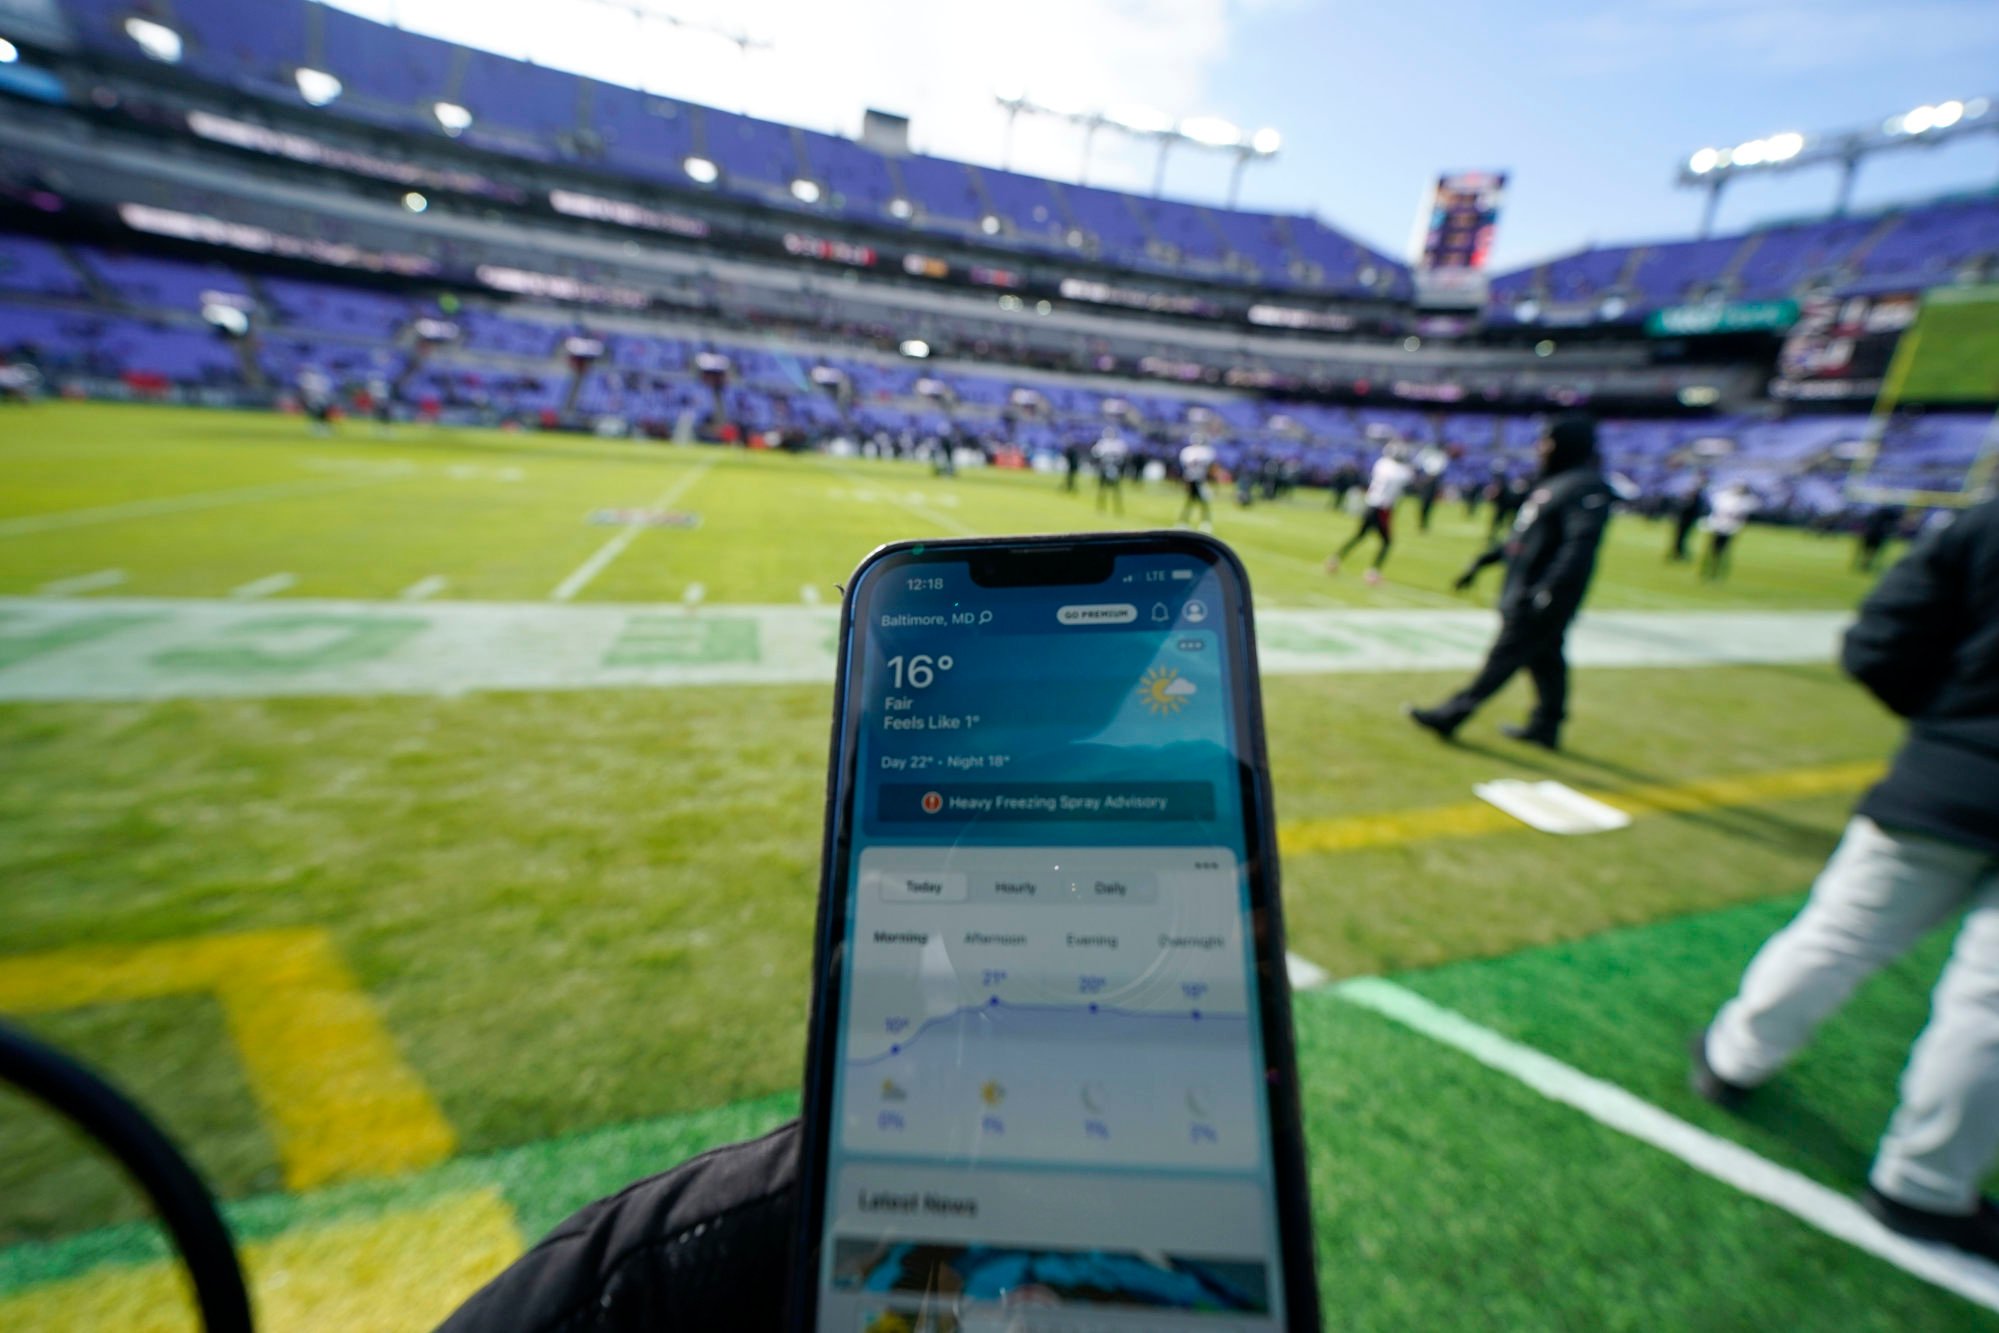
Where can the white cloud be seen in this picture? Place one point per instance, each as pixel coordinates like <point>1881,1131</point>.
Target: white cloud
<point>940,62</point>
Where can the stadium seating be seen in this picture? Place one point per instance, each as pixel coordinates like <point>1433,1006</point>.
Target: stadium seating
<point>330,309</point>
<point>392,78</point>
<point>1901,249</point>
<point>167,284</point>
<point>31,265</point>
<point>510,361</point>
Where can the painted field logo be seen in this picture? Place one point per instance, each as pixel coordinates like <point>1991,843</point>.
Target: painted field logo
<point>932,803</point>
<point>644,518</point>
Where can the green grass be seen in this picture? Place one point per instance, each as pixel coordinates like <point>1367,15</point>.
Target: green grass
<point>616,888</point>
<point>586,915</point>
<point>1445,1195</point>
<point>503,516</point>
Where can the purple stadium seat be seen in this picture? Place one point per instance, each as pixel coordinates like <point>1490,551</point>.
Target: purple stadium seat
<point>1027,204</point>
<point>401,73</point>
<point>1107,216</point>
<point>166,283</point>
<point>749,149</point>
<point>939,188</point>
<point>856,178</point>
<point>31,265</point>
<point>646,135</point>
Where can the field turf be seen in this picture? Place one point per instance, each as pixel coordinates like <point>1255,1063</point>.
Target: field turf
<point>583,916</point>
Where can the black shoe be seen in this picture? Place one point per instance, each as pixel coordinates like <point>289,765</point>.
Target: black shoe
<point>1710,1085</point>
<point>1532,735</point>
<point>1974,1233</point>
<point>1445,726</point>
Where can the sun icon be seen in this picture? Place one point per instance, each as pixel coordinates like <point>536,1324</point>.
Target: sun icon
<point>1164,690</point>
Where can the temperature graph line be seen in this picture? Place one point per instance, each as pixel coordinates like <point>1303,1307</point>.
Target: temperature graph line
<point>994,1007</point>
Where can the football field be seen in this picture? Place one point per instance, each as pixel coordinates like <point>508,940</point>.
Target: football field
<point>426,828</point>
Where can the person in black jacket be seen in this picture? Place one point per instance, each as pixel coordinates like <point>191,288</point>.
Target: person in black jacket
<point>1922,846</point>
<point>706,1245</point>
<point>1687,509</point>
<point>1550,557</point>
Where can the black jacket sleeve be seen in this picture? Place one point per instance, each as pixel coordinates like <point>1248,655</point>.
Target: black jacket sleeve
<point>1560,588</point>
<point>1903,646</point>
<point>705,1245</point>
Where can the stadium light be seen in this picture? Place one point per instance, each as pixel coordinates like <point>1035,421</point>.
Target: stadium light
<point>1712,168</point>
<point>1783,147</point>
<point>155,39</point>
<point>9,52</point>
<point>990,225</point>
<point>701,171</point>
<point>1210,131</point>
<point>915,348</point>
<point>1142,122</point>
<point>454,118</point>
<point>415,202</point>
<point>899,207</point>
<point>805,191</point>
<point>316,86</point>
<point>1139,119</point>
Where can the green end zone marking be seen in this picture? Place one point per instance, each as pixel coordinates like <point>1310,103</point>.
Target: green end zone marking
<point>20,645</point>
<point>306,641</point>
<point>143,648</point>
<point>649,641</point>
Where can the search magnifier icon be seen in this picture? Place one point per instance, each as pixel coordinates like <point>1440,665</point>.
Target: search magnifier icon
<point>985,617</point>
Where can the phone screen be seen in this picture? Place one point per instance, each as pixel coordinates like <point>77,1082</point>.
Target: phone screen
<point>1047,1070</point>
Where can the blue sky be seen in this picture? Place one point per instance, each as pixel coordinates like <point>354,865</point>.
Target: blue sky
<point>1590,104</point>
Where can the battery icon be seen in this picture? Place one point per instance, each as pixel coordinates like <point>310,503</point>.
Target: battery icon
<point>1183,573</point>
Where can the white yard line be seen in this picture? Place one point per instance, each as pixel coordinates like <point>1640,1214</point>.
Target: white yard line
<point>425,588</point>
<point>615,547</point>
<point>70,587</point>
<point>268,586</point>
<point>915,508</point>
<point>1810,1202</point>
<point>179,504</point>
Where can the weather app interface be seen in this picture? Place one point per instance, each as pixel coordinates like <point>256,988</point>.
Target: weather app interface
<point>1049,1109</point>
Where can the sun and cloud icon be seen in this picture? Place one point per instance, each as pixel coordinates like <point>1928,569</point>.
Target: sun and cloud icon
<point>1165,691</point>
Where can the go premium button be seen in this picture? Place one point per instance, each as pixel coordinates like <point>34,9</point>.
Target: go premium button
<point>1098,613</point>
<point>921,886</point>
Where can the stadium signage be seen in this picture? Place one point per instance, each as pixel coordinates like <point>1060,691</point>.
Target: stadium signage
<point>301,148</point>
<point>624,214</point>
<point>1683,321</point>
<point>832,251</point>
<point>1290,317</point>
<point>1103,293</point>
<point>556,287</point>
<point>261,240</point>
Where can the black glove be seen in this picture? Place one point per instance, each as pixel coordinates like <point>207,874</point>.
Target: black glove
<point>1465,579</point>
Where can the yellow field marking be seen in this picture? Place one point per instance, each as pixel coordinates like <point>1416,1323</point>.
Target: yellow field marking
<point>402,1270</point>
<point>1474,818</point>
<point>339,1098</point>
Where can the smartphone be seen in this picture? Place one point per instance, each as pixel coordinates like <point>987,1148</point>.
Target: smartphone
<point>1050,1081</point>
